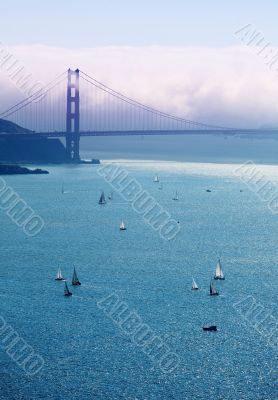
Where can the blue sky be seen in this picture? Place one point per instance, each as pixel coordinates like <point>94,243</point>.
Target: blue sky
<point>93,23</point>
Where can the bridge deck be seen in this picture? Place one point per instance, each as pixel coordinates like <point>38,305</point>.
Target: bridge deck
<point>143,133</point>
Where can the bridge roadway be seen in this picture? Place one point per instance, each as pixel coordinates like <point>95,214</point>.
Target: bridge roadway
<point>144,133</point>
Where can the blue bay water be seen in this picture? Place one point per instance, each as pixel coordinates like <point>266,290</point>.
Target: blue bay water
<point>86,355</point>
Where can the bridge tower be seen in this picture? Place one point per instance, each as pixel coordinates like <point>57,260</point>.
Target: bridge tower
<point>73,115</point>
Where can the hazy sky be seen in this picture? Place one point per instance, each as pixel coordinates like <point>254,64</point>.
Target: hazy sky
<point>87,23</point>
<point>179,56</point>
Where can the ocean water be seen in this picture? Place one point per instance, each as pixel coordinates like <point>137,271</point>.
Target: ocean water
<point>86,355</point>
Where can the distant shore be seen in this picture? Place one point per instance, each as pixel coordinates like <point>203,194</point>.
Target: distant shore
<point>18,170</point>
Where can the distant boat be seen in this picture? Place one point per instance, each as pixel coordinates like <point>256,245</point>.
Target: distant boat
<point>102,199</point>
<point>156,178</point>
<point>59,276</point>
<point>208,190</point>
<point>160,187</point>
<point>210,328</point>
<point>176,197</point>
<point>122,226</point>
<point>194,285</point>
<point>75,280</point>
<point>67,293</point>
<point>63,189</point>
<point>219,274</point>
<point>212,289</point>
<point>110,196</point>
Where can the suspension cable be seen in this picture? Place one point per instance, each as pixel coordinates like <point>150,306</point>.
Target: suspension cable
<point>120,96</point>
<point>40,93</point>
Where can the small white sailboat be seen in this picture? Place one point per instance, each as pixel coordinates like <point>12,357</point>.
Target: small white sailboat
<point>75,281</point>
<point>176,197</point>
<point>194,285</point>
<point>212,289</point>
<point>67,293</point>
<point>59,276</point>
<point>156,178</point>
<point>219,274</point>
<point>122,226</point>
<point>102,199</point>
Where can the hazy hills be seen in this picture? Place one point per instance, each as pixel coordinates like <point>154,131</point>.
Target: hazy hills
<point>11,127</point>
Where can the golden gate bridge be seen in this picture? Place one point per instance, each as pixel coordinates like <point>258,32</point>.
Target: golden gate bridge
<point>94,109</point>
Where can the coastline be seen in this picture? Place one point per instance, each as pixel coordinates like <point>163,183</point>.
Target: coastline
<point>10,169</point>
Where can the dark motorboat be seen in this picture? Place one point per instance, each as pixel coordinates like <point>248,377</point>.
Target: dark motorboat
<point>67,293</point>
<point>75,280</point>
<point>212,328</point>
<point>208,190</point>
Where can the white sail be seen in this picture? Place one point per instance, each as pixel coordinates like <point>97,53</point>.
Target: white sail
<point>218,271</point>
<point>194,284</point>
<point>59,274</point>
<point>122,226</point>
<point>156,178</point>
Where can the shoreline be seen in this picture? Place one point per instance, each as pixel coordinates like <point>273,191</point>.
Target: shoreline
<point>13,169</point>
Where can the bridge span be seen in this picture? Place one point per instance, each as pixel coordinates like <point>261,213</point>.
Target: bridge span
<point>147,133</point>
<point>76,105</point>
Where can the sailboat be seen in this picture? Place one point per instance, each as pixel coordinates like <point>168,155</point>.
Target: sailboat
<point>59,276</point>
<point>122,226</point>
<point>110,196</point>
<point>176,197</point>
<point>67,293</point>
<point>102,199</point>
<point>212,289</point>
<point>219,274</point>
<point>156,178</point>
<point>194,285</point>
<point>75,280</point>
